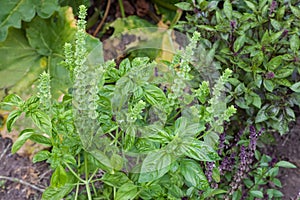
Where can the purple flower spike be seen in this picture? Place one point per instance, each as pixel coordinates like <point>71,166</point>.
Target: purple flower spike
<point>209,170</point>
<point>253,138</point>
<point>221,144</point>
<point>272,7</point>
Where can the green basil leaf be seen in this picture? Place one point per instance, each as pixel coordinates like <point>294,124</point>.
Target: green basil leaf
<point>251,5</point>
<point>285,164</point>
<point>239,43</point>
<point>59,177</point>
<point>12,100</point>
<point>227,8</point>
<point>41,120</point>
<point>54,193</point>
<point>295,11</point>
<point>295,43</point>
<point>256,193</point>
<point>198,150</point>
<point>127,191</point>
<point>115,180</point>
<point>274,63</point>
<point>154,95</point>
<point>296,87</point>
<point>41,156</point>
<point>24,135</point>
<point>261,115</point>
<point>269,85</point>
<point>184,6</point>
<point>11,119</point>
<point>193,174</point>
<point>155,165</point>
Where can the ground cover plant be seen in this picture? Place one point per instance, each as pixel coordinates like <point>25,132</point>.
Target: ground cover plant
<point>260,42</point>
<point>150,129</point>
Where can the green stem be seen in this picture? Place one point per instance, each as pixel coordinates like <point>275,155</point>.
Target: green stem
<point>122,8</point>
<point>72,171</point>
<point>115,191</point>
<point>87,186</point>
<point>77,191</point>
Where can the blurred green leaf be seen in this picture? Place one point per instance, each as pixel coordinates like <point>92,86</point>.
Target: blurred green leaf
<point>269,85</point>
<point>285,164</point>
<point>295,43</point>
<point>184,6</point>
<point>23,137</point>
<point>296,87</point>
<point>274,63</point>
<point>295,10</point>
<point>41,156</point>
<point>54,193</point>
<point>193,174</point>
<point>11,119</point>
<point>261,115</point>
<point>198,150</point>
<point>228,9</point>
<point>239,43</point>
<point>13,12</point>
<point>115,180</point>
<point>256,193</point>
<point>154,166</point>
<point>127,191</point>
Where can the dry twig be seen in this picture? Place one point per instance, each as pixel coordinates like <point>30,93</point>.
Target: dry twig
<point>22,182</point>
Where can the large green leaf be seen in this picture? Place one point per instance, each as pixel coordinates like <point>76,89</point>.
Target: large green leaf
<point>155,165</point>
<point>13,12</point>
<point>198,150</point>
<point>24,57</point>
<point>193,174</point>
<point>18,60</point>
<point>127,191</point>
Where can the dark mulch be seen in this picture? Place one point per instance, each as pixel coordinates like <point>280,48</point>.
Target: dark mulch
<point>20,179</point>
<point>287,147</point>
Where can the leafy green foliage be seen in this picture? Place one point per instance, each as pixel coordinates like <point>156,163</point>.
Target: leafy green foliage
<point>16,11</point>
<point>148,138</point>
<point>118,134</point>
<point>27,52</point>
<point>259,41</point>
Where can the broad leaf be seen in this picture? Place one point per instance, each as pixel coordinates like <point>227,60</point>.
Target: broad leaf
<point>24,135</point>
<point>155,165</point>
<point>296,87</point>
<point>11,119</point>
<point>198,150</point>
<point>193,174</point>
<point>25,56</point>
<point>13,12</point>
<point>285,164</point>
<point>41,120</point>
<point>127,191</point>
<point>59,177</point>
<point>19,60</point>
<point>41,156</point>
<point>54,193</point>
<point>115,180</point>
<point>227,9</point>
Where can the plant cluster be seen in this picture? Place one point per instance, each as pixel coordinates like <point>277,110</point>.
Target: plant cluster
<point>259,42</point>
<point>124,131</point>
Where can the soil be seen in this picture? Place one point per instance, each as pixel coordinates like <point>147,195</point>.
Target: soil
<point>20,179</point>
<point>287,148</point>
